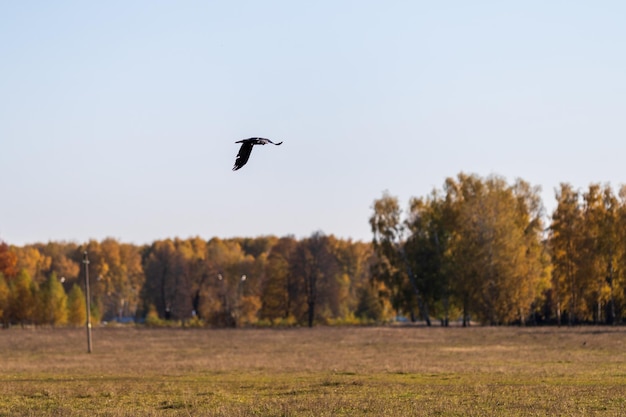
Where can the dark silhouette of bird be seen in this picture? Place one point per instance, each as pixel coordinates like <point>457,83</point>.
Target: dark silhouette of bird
<point>246,150</point>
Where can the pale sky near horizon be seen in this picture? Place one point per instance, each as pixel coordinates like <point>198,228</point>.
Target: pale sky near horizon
<point>118,118</point>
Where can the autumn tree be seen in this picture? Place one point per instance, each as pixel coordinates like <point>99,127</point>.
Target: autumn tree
<point>36,264</point>
<point>165,270</point>
<point>8,261</point>
<point>314,269</point>
<point>234,284</point>
<point>477,246</point>
<point>116,277</point>
<point>258,246</point>
<point>600,251</point>
<point>366,300</point>
<point>593,254</point>
<point>22,300</point>
<point>354,260</point>
<point>534,265</point>
<point>198,271</point>
<point>4,301</point>
<point>276,293</point>
<point>98,273</point>
<point>614,249</point>
<point>499,242</point>
<point>565,240</point>
<point>617,275</point>
<point>65,260</point>
<point>333,283</point>
<point>119,277</point>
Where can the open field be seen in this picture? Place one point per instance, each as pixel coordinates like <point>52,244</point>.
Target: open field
<point>377,371</point>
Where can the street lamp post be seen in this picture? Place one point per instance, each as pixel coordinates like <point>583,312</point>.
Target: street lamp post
<point>88,301</point>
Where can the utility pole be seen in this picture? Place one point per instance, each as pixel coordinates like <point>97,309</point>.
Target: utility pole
<point>88,303</point>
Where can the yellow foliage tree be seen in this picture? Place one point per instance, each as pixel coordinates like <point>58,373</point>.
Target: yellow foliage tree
<point>22,304</point>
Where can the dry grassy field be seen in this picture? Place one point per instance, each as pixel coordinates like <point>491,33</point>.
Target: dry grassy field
<point>325,371</point>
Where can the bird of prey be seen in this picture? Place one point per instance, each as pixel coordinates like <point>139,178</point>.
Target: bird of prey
<point>246,150</point>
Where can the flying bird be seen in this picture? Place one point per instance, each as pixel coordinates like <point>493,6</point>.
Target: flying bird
<point>246,150</point>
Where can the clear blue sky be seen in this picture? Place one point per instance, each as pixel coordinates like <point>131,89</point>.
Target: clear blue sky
<point>118,118</point>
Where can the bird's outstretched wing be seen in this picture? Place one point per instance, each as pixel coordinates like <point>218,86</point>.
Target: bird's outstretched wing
<point>243,155</point>
<point>246,150</point>
<point>263,141</point>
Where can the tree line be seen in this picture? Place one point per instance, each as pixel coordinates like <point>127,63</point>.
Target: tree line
<point>479,249</point>
<point>476,250</point>
<point>267,281</point>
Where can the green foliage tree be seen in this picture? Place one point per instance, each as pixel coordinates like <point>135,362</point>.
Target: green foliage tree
<point>52,302</point>
<point>76,307</point>
<point>369,306</point>
<point>432,225</point>
<point>393,266</point>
